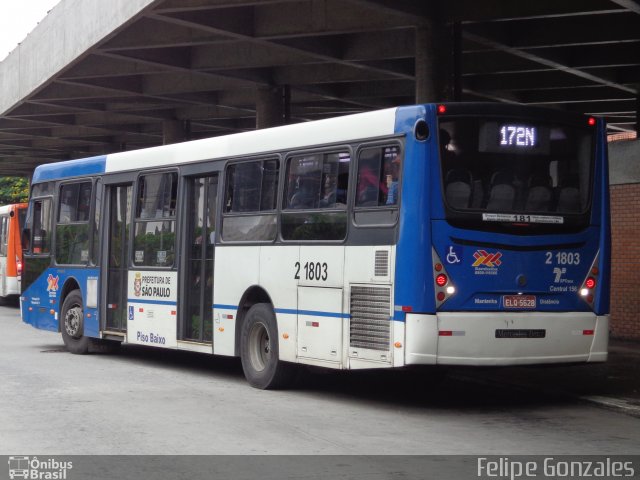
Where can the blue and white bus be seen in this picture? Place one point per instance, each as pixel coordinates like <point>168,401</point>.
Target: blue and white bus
<point>453,234</point>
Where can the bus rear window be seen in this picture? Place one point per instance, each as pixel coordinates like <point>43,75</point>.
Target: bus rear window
<point>508,169</point>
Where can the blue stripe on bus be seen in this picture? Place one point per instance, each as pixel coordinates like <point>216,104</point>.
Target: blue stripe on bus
<point>71,168</point>
<point>312,313</point>
<point>291,311</point>
<point>151,302</point>
<point>224,307</point>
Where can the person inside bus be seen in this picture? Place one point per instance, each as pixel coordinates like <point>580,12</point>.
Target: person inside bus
<point>392,194</point>
<point>304,197</point>
<point>66,206</point>
<point>329,192</point>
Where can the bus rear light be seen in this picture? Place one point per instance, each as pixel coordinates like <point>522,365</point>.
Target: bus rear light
<point>591,121</point>
<point>19,267</point>
<point>446,333</point>
<point>443,287</point>
<point>442,109</point>
<point>587,332</point>
<point>407,308</point>
<point>588,289</point>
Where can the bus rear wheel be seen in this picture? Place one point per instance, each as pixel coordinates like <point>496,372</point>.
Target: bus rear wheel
<point>259,350</point>
<point>72,324</point>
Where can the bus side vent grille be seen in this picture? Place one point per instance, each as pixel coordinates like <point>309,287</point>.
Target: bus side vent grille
<point>370,323</point>
<point>382,263</point>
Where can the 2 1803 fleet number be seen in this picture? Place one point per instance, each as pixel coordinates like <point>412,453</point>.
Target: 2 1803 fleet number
<point>312,271</point>
<point>563,258</point>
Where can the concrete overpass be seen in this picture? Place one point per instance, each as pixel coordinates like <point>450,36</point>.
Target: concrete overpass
<point>98,77</point>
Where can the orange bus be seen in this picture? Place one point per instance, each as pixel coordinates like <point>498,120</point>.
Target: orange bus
<point>11,221</point>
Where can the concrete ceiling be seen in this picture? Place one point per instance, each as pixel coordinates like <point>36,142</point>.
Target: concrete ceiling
<point>199,63</point>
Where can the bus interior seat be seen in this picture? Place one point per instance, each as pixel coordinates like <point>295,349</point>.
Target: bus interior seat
<point>539,194</point>
<point>568,199</point>
<point>502,192</point>
<point>459,188</point>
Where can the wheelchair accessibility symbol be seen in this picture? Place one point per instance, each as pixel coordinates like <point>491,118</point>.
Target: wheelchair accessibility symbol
<point>454,255</point>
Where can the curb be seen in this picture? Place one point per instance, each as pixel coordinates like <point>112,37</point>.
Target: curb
<point>621,405</point>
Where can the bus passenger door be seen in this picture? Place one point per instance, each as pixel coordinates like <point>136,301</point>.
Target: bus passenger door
<point>119,224</point>
<point>197,285</point>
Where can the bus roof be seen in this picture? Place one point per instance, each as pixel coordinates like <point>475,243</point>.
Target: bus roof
<point>308,134</point>
<point>4,209</point>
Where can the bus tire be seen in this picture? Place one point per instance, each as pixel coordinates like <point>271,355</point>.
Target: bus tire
<point>259,350</point>
<point>72,324</point>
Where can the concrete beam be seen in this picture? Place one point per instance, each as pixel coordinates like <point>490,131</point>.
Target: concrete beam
<point>64,36</point>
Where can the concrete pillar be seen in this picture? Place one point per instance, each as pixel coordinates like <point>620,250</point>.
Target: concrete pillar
<point>272,106</point>
<point>174,131</point>
<point>434,61</point>
<point>638,116</point>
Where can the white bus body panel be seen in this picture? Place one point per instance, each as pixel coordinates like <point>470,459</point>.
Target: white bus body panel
<point>360,271</point>
<point>236,269</point>
<point>473,342</point>
<point>333,130</point>
<point>11,286</point>
<point>8,285</point>
<point>277,278</point>
<point>152,308</point>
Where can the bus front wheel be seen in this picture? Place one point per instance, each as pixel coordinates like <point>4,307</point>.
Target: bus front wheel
<point>72,324</point>
<point>259,350</point>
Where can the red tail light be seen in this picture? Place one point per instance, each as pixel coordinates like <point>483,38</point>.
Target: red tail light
<point>590,283</point>
<point>441,280</point>
<point>19,267</point>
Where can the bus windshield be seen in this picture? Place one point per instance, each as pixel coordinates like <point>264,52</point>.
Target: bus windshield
<point>502,169</point>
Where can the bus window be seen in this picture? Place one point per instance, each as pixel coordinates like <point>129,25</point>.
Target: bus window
<point>502,166</point>
<point>155,224</point>
<point>318,185</point>
<point>4,227</point>
<point>378,176</point>
<point>72,228</point>
<point>41,243</point>
<point>95,247</point>
<point>250,201</point>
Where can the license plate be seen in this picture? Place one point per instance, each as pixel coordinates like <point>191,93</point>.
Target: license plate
<point>519,301</point>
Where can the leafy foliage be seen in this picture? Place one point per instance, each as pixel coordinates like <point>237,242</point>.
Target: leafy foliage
<point>13,190</point>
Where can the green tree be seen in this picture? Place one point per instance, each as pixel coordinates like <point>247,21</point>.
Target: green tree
<point>13,190</point>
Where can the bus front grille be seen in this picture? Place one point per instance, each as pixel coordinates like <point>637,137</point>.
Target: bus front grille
<point>370,323</point>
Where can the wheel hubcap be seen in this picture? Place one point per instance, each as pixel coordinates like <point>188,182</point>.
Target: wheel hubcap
<point>72,321</point>
<point>260,348</point>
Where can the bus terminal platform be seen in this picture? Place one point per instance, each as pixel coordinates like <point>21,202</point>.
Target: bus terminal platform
<point>614,384</point>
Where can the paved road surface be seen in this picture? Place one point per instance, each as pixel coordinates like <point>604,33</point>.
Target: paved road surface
<point>147,401</point>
